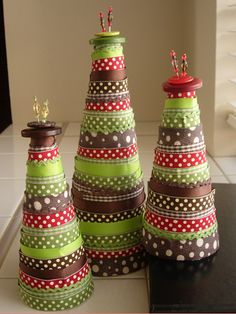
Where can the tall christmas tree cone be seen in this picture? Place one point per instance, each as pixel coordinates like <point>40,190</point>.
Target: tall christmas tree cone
<point>107,188</point>
<point>180,219</point>
<point>54,273</point>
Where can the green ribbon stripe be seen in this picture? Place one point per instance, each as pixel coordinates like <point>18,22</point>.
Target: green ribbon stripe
<point>52,253</point>
<point>180,120</point>
<point>179,235</point>
<point>115,183</point>
<point>54,305</point>
<point>46,169</point>
<point>115,242</point>
<point>37,189</point>
<point>107,52</point>
<point>185,178</point>
<point>45,242</point>
<point>181,103</point>
<point>107,169</point>
<point>118,123</point>
<point>112,228</point>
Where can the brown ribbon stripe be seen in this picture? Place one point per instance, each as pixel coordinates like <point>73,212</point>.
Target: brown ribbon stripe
<point>111,140</point>
<point>110,75</point>
<point>106,207</point>
<point>51,264</point>
<point>180,136</point>
<point>184,191</point>
<point>108,217</point>
<point>107,87</point>
<point>180,250</point>
<point>55,273</point>
<point>50,203</point>
<point>183,204</point>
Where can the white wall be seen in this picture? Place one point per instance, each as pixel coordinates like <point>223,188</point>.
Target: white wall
<point>49,55</point>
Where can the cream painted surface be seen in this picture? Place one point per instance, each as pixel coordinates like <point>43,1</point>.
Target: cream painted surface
<point>49,54</point>
<point>225,91</point>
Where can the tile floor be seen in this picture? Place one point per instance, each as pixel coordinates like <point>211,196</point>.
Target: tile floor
<point>111,294</point>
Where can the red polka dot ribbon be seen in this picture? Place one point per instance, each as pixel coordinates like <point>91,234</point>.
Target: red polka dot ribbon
<point>113,254</point>
<point>108,64</point>
<point>54,283</point>
<point>48,221</point>
<point>116,153</point>
<point>43,155</point>
<point>180,225</point>
<point>190,94</point>
<point>177,160</point>
<point>109,106</point>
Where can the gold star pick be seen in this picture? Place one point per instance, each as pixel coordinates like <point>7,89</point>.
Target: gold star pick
<point>36,108</point>
<point>45,110</point>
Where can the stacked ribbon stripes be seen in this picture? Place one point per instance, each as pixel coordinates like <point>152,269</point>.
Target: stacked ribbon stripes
<point>180,217</point>
<point>107,188</point>
<point>54,273</point>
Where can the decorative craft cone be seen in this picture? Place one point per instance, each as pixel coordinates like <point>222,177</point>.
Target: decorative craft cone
<point>54,273</point>
<point>107,188</point>
<point>180,220</point>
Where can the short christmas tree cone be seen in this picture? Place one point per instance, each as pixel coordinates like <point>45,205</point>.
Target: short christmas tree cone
<point>180,218</point>
<point>107,188</point>
<point>54,273</point>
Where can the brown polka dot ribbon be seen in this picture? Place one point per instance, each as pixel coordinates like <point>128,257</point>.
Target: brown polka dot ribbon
<point>52,264</point>
<point>111,206</point>
<point>48,204</point>
<point>111,140</point>
<point>119,265</point>
<point>183,204</point>
<point>183,190</point>
<point>109,75</point>
<point>180,250</point>
<point>55,273</point>
<point>108,217</point>
<point>107,87</point>
<point>180,136</point>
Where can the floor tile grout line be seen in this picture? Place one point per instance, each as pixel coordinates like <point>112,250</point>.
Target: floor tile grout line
<point>221,169</point>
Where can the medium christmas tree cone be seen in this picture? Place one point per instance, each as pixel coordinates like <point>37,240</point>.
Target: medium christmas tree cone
<point>54,273</point>
<point>180,219</point>
<point>107,188</point>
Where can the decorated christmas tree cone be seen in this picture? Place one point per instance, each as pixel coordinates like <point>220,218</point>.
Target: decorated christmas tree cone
<point>180,218</point>
<point>107,188</point>
<point>54,273</point>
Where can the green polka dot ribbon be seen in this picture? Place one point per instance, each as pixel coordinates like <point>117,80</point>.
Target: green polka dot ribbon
<point>118,183</point>
<point>114,242</point>
<point>181,103</point>
<point>179,235</point>
<point>181,119</point>
<point>59,303</point>
<point>107,52</point>
<point>42,189</point>
<point>45,242</point>
<point>108,122</point>
<point>44,168</point>
<point>53,252</point>
<point>112,228</point>
<point>192,176</point>
<point>108,169</point>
